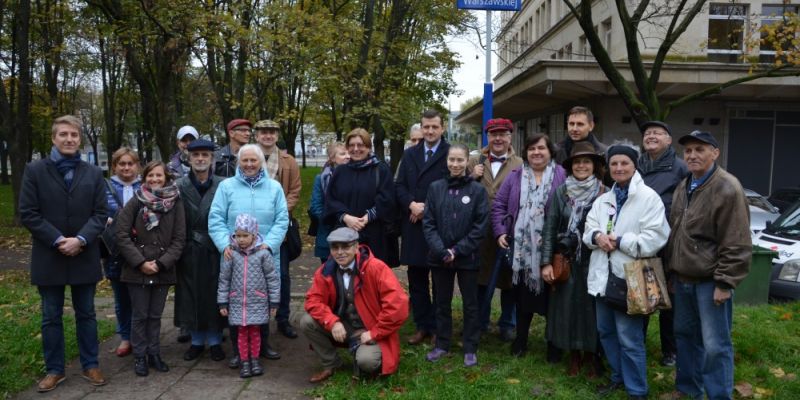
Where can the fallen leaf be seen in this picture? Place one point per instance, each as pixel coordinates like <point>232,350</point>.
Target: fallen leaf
<point>790,377</point>
<point>399,389</point>
<point>777,372</point>
<point>786,316</point>
<point>659,376</point>
<point>761,393</point>
<point>512,381</point>
<point>744,389</point>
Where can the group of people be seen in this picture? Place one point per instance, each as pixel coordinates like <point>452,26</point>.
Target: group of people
<point>496,220</point>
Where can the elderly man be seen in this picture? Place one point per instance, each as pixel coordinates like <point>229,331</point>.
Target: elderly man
<point>355,301</point>
<point>283,168</point>
<point>580,124</point>
<point>490,169</point>
<point>709,254</point>
<point>662,171</point>
<point>225,163</point>
<point>178,165</point>
<point>420,166</point>
<point>198,268</point>
<point>62,202</point>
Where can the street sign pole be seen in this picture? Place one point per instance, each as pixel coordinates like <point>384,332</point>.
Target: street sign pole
<point>487,85</point>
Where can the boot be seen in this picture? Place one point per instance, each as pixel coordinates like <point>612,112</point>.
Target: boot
<point>244,371</point>
<point>155,361</point>
<point>574,363</point>
<point>255,367</point>
<point>140,366</point>
<point>595,363</point>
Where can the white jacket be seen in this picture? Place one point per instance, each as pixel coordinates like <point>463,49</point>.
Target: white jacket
<point>641,224</point>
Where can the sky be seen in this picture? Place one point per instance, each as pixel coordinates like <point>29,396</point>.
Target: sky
<point>472,74</point>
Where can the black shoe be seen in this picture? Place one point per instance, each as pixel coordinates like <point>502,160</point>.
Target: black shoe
<point>518,348</point>
<point>234,362</point>
<point>155,361</point>
<point>184,336</point>
<point>193,352</point>
<point>268,353</point>
<point>140,366</point>
<point>244,371</point>
<point>507,335</point>
<point>287,330</point>
<point>668,360</point>
<point>256,368</point>
<point>553,354</point>
<point>607,389</point>
<point>217,354</point>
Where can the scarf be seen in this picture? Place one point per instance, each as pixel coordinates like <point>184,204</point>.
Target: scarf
<point>65,165</point>
<point>365,163</point>
<point>252,181</point>
<point>580,195</point>
<point>325,176</point>
<point>156,202</point>
<point>622,196</point>
<point>203,187</point>
<point>662,163</point>
<point>273,162</point>
<point>458,181</point>
<point>528,228</point>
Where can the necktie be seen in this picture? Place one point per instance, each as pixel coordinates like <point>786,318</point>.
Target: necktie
<point>493,159</point>
<point>428,155</point>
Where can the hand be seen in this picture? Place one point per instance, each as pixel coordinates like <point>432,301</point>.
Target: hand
<point>449,257</point>
<point>273,312</point>
<point>606,243</point>
<point>547,273</point>
<point>366,337</point>
<point>109,221</point>
<point>417,211</point>
<point>149,267</point>
<point>228,253</point>
<point>338,332</point>
<point>70,246</point>
<point>265,246</point>
<point>721,295</point>
<point>354,223</point>
<point>477,171</point>
<point>223,312</point>
<point>502,241</point>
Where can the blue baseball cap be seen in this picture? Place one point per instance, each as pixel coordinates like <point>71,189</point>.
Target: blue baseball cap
<point>699,136</point>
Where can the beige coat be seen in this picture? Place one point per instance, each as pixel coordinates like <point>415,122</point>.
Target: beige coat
<point>289,178</point>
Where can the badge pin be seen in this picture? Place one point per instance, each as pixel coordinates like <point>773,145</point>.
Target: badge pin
<point>465,199</point>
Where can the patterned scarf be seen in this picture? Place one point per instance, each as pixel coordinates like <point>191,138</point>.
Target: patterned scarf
<point>580,195</point>
<point>622,196</point>
<point>156,202</point>
<point>528,228</point>
<point>325,176</point>
<point>273,162</point>
<point>65,165</point>
<point>252,181</point>
<point>365,163</point>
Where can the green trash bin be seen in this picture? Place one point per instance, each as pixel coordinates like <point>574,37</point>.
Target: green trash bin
<point>754,289</point>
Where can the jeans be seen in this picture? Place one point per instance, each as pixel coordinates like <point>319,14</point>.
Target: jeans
<point>122,308</point>
<point>622,337</point>
<point>703,335</point>
<point>508,314</point>
<point>422,302</point>
<point>666,329</point>
<point>199,338</point>
<point>53,326</point>
<point>282,315</point>
<point>444,279</point>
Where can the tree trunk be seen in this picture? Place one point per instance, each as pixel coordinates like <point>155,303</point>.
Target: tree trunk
<point>20,149</point>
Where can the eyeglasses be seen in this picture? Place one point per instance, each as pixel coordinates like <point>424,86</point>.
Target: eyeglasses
<point>242,130</point>
<point>356,145</point>
<point>654,132</point>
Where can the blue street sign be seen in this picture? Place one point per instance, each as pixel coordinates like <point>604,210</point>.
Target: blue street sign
<point>493,5</point>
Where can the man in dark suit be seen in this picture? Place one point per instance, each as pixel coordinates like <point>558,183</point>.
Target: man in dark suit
<point>63,203</point>
<point>421,165</point>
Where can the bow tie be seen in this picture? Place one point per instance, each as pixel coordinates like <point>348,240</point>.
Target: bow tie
<point>493,159</point>
<point>348,271</point>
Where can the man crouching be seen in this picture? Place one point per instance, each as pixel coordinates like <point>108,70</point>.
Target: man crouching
<point>355,301</point>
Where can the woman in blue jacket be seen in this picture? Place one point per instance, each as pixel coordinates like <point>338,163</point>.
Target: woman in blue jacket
<point>337,155</point>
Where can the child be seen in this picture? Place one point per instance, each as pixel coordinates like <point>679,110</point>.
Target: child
<point>249,291</point>
<point>456,215</point>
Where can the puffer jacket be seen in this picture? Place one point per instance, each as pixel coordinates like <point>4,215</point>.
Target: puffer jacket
<point>640,223</point>
<point>710,236</point>
<point>456,216</point>
<point>249,286</point>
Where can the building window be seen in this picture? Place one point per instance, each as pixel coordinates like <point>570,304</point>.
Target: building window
<point>726,26</point>
<point>583,48</point>
<point>568,51</point>
<point>775,14</point>
<point>607,34</point>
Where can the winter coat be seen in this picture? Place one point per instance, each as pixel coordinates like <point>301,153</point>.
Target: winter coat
<point>265,202</point>
<point>710,236</point>
<point>198,267</point>
<point>506,204</point>
<point>317,209</point>
<point>663,175</point>
<point>640,223</point>
<point>353,190</point>
<point>488,248</point>
<point>289,178</point>
<point>225,162</point>
<point>456,215</point>
<point>164,243</point>
<point>178,167</point>
<point>380,301</point>
<point>112,265</point>
<point>49,210</point>
<point>414,177</point>
<point>249,286</point>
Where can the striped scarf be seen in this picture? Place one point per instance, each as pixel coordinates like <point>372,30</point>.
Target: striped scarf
<point>156,202</point>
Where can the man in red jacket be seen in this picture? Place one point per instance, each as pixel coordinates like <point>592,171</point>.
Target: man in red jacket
<point>355,301</point>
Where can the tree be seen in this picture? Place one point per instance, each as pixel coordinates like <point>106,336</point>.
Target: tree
<point>640,96</point>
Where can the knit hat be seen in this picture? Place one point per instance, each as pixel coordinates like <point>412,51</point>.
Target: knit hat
<point>247,223</point>
<point>628,151</point>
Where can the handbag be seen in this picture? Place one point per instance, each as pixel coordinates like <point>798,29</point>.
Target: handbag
<point>647,286</point>
<point>561,268</point>
<point>294,246</point>
<point>616,295</point>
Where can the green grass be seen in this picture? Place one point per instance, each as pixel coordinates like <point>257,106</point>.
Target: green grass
<point>20,332</point>
<point>765,337</point>
<point>10,235</point>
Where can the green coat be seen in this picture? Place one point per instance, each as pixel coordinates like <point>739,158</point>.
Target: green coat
<point>198,269</point>
<point>571,323</point>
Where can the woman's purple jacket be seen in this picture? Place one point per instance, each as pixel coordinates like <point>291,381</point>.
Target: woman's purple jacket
<point>506,203</point>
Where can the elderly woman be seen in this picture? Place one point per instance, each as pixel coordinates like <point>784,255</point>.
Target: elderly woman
<point>518,215</point>
<point>249,191</point>
<point>624,224</point>
<point>361,195</point>
<point>337,155</point>
<point>121,187</point>
<point>151,233</point>
<point>571,313</point>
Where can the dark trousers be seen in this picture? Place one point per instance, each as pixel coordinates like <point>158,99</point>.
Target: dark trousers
<point>508,315</point>
<point>286,287</point>
<point>148,305</point>
<point>53,326</point>
<point>666,329</point>
<point>422,305</point>
<point>122,308</point>
<point>443,280</point>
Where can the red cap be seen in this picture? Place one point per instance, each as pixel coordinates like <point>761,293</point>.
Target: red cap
<point>239,121</point>
<point>499,124</point>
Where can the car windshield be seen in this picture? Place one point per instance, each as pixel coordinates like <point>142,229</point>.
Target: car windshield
<point>788,224</point>
<point>760,202</point>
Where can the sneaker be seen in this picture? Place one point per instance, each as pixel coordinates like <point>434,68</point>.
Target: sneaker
<point>436,354</point>
<point>470,359</point>
<point>668,360</point>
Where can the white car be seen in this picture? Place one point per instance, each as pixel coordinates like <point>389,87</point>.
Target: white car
<point>783,237</point>
<point>761,211</point>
